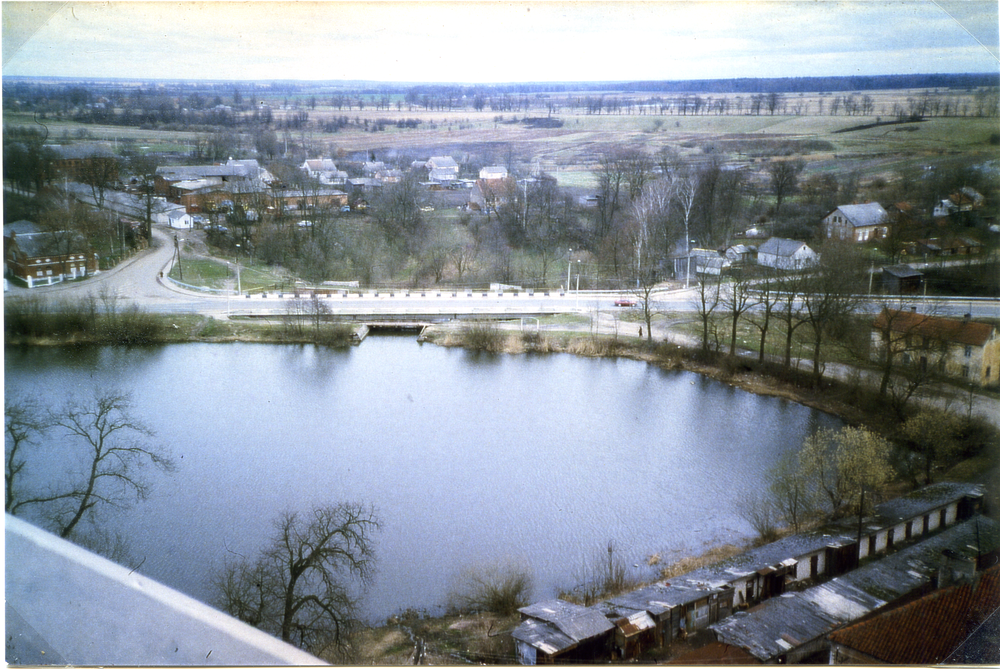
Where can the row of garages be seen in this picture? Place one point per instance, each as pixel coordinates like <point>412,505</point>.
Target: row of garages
<point>657,615</point>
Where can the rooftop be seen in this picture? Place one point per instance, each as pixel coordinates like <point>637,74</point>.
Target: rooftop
<point>780,624</point>
<point>954,613</point>
<point>862,215</point>
<point>959,331</point>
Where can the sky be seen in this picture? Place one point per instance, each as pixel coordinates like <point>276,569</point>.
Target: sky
<point>493,42</point>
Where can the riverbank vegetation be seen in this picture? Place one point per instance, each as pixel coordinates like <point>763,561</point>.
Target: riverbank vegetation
<point>104,320</point>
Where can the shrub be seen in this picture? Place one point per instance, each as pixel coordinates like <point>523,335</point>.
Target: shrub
<point>500,589</point>
<point>130,326</point>
<point>484,336</point>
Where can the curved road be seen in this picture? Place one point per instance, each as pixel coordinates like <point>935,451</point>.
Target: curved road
<point>138,280</point>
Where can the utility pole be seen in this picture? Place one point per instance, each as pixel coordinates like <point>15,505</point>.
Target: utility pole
<point>177,252</point>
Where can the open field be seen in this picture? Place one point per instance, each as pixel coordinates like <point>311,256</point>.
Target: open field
<point>570,151</point>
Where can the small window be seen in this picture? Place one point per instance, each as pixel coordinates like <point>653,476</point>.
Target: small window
<point>988,370</point>
<point>965,371</point>
<point>968,351</point>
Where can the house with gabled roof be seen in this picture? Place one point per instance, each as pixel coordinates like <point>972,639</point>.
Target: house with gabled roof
<point>899,636</point>
<point>325,171</point>
<point>957,347</point>
<point>441,168</point>
<point>857,222</point>
<point>786,254</point>
<point>493,172</point>
<point>42,258</point>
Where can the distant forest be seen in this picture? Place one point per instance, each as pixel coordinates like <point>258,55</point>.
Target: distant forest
<point>966,81</point>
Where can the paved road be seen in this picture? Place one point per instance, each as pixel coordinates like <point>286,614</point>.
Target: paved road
<point>138,280</point>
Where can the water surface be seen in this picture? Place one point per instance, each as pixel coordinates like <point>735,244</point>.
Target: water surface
<point>470,459</point>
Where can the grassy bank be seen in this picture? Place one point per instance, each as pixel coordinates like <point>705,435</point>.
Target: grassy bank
<point>32,323</point>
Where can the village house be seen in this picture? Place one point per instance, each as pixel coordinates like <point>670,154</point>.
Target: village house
<point>179,219</point>
<point>709,261</point>
<point>489,194</point>
<point>40,258</point>
<point>441,169</point>
<point>957,614</point>
<point>196,185</point>
<point>947,247</point>
<point>964,200</point>
<point>325,171</point>
<point>857,222</point>
<point>795,627</point>
<point>658,614</point>
<point>740,253</point>
<point>960,348</point>
<point>786,254</point>
<point>74,161</point>
<point>295,199</point>
<point>493,172</point>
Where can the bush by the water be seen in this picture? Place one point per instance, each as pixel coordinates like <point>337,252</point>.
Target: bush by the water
<point>484,336</point>
<point>498,588</point>
<point>101,321</point>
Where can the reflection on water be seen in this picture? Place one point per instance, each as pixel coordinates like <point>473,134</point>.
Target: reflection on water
<point>470,458</point>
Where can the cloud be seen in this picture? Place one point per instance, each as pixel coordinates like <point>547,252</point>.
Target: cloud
<point>495,42</point>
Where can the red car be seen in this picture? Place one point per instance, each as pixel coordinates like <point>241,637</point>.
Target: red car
<point>624,302</point>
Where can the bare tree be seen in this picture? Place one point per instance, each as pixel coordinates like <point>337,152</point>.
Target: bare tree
<point>832,294</point>
<point>738,297</point>
<point>115,446</point>
<point>789,309</point>
<point>686,190</point>
<point>784,176</point>
<point>767,297</point>
<point>396,209</point>
<point>706,300</point>
<point>300,588</point>
<point>791,491</point>
<point>100,172</point>
<point>24,423</point>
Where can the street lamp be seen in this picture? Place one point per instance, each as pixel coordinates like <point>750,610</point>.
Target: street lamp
<point>569,267</point>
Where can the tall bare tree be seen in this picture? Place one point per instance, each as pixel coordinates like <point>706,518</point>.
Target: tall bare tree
<point>114,446</point>
<point>706,301</point>
<point>833,293</point>
<point>100,172</point>
<point>24,424</point>
<point>300,588</point>
<point>738,297</point>
<point>784,177</point>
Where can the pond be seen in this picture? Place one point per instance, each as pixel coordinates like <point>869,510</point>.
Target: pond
<point>471,460</point>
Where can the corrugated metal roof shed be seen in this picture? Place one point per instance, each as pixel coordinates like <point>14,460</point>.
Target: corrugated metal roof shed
<point>793,619</point>
<point>576,622</point>
<point>543,636</point>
